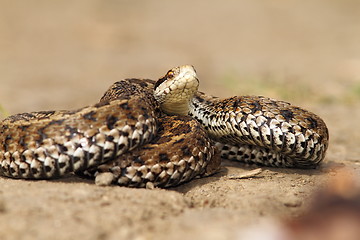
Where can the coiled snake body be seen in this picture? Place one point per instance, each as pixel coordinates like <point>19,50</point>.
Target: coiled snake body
<point>128,134</point>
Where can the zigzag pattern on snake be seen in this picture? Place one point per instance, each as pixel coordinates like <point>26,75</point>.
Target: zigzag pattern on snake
<point>127,134</point>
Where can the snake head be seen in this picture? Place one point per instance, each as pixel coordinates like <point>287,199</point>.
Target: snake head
<point>175,90</point>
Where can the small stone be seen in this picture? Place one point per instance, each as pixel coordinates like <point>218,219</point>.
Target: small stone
<point>150,185</point>
<point>293,202</point>
<point>104,179</point>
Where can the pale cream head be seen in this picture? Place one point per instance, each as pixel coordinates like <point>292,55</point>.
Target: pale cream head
<point>176,89</point>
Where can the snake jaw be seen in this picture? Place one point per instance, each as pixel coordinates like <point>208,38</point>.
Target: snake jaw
<point>176,89</point>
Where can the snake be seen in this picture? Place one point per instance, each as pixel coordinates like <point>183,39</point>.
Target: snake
<point>162,133</point>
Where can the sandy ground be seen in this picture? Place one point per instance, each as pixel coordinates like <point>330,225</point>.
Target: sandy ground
<point>64,55</point>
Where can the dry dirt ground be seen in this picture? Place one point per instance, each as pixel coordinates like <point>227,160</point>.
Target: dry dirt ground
<point>64,55</point>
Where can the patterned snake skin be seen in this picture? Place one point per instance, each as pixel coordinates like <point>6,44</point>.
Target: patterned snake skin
<point>126,134</point>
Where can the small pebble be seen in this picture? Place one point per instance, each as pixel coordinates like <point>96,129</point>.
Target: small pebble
<point>292,202</point>
<point>104,179</point>
<point>150,185</point>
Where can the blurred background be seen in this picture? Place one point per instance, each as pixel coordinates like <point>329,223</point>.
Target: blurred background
<point>65,54</point>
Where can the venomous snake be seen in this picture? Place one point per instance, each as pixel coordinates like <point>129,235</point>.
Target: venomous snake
<point>162,133</point>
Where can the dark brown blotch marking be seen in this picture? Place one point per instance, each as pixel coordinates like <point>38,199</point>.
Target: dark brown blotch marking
<point>42,135</point>
<point>137,159</point>
<point>121,146</point>
<point>8,138</point>
<point>90,116</point>
<point>313,123</point>
<point>255,106</point>
<point>72,130</point>
<point>76,159</point>
<point>179,141</point>
<point>186,151</point>
<point>131,116</point>
<point>201,141</point>
<point>23,127</point>
<point>164,157</point>
<point>133,142</point>
<point>62,164</point>
<point>274,103</point>
<point>22,142</point>
<point>125,106</point>
<point>109,138</point>
<point>287,114</point>
<point>62,148</point>
<point>4,127</point>
<point>56,122</point>
<point>199,99</point>
<point>111,121</point>
<point>125,134</point>
<point>34,171</point>
<point>91,155</point>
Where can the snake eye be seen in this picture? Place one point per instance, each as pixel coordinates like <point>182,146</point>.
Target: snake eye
<point>170,74</point>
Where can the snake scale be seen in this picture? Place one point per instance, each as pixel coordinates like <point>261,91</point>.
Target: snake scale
<point>162,133</point>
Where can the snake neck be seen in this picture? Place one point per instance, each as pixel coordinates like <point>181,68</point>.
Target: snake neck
<point>205,110</point>
<point>181,108</point>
